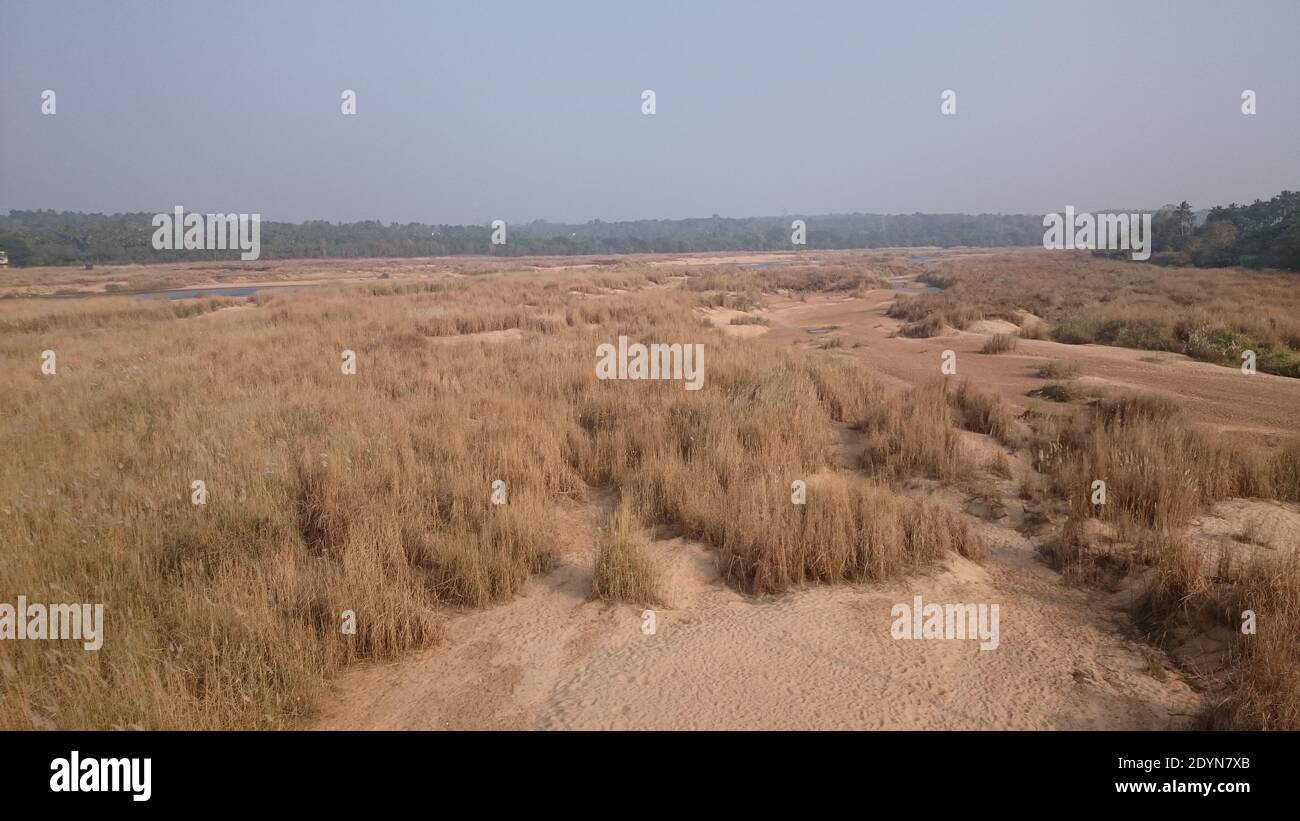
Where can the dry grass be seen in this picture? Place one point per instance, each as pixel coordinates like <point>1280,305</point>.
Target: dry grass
<point>1185,587</point>
<point>1159,472</point>
<point>914,437</point>
<point>1158,469</point>
<point>623,571</point>
<point>849,530</point>
<point>1060,369</point>
<point>932,325</point>
<point>936,309</point>
<point>1211,315</point>
<point>372,492</point>
<point>842,274</point>
<point>1286,472</point>
<point>985,413</point>
<point>999,465</point>
<point>999,343</point>
<point>1033,328</point>
<point>1264,690</point>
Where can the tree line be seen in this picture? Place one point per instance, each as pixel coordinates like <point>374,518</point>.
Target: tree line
<point>72,238</point>
<point>1264,234</point>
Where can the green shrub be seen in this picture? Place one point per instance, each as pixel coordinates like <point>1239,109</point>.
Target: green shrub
<point>1147,334</point>
<point>1211,344</point>
<point>1075,329</point>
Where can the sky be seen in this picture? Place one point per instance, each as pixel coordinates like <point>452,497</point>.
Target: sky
<point>472,111</point>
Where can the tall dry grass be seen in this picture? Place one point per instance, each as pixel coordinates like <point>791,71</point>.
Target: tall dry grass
<point>1264,687</point>
<point>849,530</point>
<point>999,343</point>
<point>936,310</point>
<point>986,413</point>
<point>1190,587</point>
<point>623,571</point>
<point>328,493</point>
<point>914,436</point>
<point>1160,471</point>
<point>372,492</point>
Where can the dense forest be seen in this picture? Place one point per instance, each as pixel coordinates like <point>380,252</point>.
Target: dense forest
<point>70,238</point>
<point>1264,234</point>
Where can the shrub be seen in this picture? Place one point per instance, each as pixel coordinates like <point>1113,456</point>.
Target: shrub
<point>1056,392</point>
<point>932,325</point>
<point>1033,328</point>
<point>1060,369</point>
<point>999,343</point>
<point>1074,329</point>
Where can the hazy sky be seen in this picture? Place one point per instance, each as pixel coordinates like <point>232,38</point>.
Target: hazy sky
<point>473,111</point>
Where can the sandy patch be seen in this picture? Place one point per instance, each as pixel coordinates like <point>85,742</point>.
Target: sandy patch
<point>730,259</point>
<point>993,326</point>
<point>721,319</point>
<point>1213,395</point>
<point>1248,526</point>
<point>507,335</point>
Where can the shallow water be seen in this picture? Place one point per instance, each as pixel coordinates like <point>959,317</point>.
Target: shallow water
<point>191,293</point>
<point>185,293</point>
<point>913,287</point>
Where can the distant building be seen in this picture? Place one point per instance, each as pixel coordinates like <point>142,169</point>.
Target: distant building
<point>4,260</point>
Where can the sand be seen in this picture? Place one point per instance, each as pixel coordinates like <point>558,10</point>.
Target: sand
<point>993,326</point>
<point>506,335</point>
<point>820,657</point>
<point>1213,395</point>
<point>721,319</point>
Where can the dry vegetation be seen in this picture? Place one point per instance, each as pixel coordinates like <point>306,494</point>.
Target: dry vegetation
<point>1061,392</point>
<point>1033,328</point>
<point>999,343</point>
<point>933,311</point>
<point>623,571</point>
<point>371,492</point>
<point>1060,369</point>
<point>1160,471</point>
<point>985,413</point>
<point>1212,315</point>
